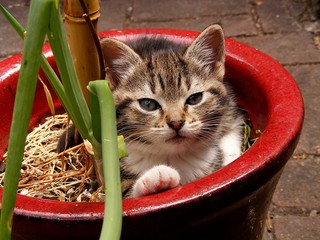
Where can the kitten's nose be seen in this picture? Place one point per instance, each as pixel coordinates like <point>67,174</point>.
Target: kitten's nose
<point>176,125</point>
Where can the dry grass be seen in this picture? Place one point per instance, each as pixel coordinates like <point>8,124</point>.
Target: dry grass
<point>67,176</point>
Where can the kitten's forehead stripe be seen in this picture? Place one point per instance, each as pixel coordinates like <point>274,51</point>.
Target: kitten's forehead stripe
<point>172,76</point>
<point>188,81</point>
<point>150,66</point>
<point>179,81</point>
<point>152,84</point>
<point>171,79</point>
<point>185,73</point>
<point>161,82</point>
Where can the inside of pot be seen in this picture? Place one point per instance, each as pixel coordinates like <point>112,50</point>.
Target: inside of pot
<point>249,96</point>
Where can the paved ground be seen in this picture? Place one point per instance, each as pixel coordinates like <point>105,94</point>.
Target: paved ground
<point>285,29</point>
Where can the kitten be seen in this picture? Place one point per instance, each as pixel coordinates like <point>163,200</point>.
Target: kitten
<point>178,117</point>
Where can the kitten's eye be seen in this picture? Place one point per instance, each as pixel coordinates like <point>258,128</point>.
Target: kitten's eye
<point>194,99</point>
<point>149,104</point>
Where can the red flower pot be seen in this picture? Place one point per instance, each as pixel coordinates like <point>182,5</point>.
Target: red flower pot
<point>229,204</point>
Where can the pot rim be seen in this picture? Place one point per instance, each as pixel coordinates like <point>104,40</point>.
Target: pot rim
<point>285,100</point>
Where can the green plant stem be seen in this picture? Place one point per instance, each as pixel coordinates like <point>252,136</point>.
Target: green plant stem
<point>60,49</point>
<point>39,9</point>
<point>101,94</point>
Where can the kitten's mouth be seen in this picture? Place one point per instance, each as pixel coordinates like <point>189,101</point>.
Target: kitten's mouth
<point>178,139</point>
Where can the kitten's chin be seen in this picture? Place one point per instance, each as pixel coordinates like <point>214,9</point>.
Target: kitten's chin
<point>179,140</point>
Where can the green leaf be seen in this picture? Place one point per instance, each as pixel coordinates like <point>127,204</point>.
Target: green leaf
<point>80,111</point>
<point>101,93</point>
<point>39,9</point>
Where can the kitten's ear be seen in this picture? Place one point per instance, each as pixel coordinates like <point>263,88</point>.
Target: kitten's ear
<point>119,59</point>
<point>208,51</point>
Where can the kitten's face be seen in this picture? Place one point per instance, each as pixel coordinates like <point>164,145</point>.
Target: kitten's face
<point>170,100</point>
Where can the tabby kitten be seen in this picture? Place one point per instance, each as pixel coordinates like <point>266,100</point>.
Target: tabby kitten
<point>178,117</point>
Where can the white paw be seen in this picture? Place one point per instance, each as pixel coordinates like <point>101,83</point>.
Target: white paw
<point>155,180</point>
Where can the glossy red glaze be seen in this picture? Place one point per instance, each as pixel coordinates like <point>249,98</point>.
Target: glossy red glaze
<point>228,204</point>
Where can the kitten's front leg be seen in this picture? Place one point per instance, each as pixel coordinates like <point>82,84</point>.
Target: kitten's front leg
<point>155,180</point>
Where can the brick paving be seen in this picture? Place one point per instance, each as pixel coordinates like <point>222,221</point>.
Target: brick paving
<point>286,30</point>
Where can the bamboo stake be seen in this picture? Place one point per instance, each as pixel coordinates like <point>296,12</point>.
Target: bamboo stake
<point>82,44</point>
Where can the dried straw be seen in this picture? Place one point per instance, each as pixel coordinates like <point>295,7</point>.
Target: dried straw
<point>67,176</point>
